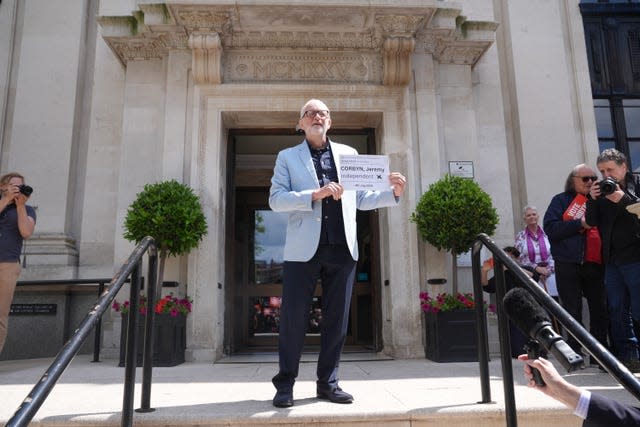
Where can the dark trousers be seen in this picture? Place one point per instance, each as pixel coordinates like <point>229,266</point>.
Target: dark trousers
<point>575,281</point>
<point>335,267</point>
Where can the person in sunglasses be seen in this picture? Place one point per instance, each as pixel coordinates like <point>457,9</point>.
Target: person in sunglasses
<point>321,243</point>
<point>620,232</point>
<point>576,250</point>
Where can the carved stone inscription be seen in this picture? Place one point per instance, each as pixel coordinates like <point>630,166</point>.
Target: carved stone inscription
<point>320,66</point>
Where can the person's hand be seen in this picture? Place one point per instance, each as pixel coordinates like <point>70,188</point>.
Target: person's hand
<point>20,199</point>
<point>555,386</point>
<point>332,189</point>
<point>12,192</point>
<point>543,271</point>
<point>487,264</point>
<point>398,182</point>
<point>583,221</point>
<point>615,197</point>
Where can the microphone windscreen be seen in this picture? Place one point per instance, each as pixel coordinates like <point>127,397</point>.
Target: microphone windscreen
<point>523,310</point>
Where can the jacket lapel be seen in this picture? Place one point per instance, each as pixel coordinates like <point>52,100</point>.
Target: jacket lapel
<point>305,157</point>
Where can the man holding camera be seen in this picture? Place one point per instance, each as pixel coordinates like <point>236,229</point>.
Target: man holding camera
<point>17,222</point>
<point>620,233</point>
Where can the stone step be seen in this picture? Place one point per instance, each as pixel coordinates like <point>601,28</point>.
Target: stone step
<point>387,393</point>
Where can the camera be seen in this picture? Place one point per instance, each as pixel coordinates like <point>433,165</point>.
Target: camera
<point>607,186</point>
<point>25,189</point>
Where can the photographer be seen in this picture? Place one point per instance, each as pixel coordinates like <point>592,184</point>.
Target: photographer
<point>17,222</point>
<point>620,234</point>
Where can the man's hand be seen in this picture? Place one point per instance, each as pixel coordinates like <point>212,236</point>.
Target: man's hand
<point>615,197</point>
<point>332,189</point>
<point>398,182</point>
<point>556,386</point>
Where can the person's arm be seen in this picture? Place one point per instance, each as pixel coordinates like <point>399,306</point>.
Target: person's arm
<point>282,196</point>
<point>26,224</point>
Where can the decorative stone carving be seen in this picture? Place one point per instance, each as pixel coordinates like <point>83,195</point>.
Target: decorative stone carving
<point>202,19</point>
<point>396,57</point>
<point>274,66</point>
<point>401,25</point>
<point>206,52</point>
<point>353,34</point>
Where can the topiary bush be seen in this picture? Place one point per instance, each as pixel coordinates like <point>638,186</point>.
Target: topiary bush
<point>451,214</point>
<point>169,212</point>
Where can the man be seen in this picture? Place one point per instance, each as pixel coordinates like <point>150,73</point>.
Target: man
<point>596,410</point>
<point>321,243</point>
<point>620,233</point>
<point>573,242</point>
<point>17,222</point>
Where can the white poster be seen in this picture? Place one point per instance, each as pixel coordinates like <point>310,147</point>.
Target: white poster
<point>364,172</point>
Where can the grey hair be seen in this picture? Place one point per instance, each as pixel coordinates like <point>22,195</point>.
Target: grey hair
<point>309,102</point>
<point>569,185</point>
<point>528,207</point>
<point>611,154</point>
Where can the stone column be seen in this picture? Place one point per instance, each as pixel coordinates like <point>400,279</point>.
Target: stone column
<point>43,123</point>
<point>142,136</point>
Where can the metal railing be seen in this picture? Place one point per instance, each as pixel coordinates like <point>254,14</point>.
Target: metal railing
<point>131,268</point>
<point>572,326</point>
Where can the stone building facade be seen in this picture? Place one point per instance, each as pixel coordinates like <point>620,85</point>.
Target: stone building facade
<point>98,98</point>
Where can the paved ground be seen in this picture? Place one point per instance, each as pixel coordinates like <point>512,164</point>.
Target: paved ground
<point>240,392</point>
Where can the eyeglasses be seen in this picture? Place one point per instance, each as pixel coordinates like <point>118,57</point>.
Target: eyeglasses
<point>586,179</point>
<point>312,113</point>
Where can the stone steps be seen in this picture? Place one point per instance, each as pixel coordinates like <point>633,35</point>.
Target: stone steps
<point>387,393</point>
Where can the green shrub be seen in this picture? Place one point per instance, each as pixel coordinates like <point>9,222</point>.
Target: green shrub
<point>169,212</point>
<point>451,214</point>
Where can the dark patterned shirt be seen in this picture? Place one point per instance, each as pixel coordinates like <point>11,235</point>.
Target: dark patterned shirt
<point>332,231</point>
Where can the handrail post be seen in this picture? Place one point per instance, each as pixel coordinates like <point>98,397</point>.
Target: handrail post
<point>505,346</point>
<point>149,333</point>
<point>131,355</point>
<point>483,346</point>
<point>98,331</point>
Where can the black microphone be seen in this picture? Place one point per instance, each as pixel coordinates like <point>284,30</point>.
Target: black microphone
<point>534,322</point>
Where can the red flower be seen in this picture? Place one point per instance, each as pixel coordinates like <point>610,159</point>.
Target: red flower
<point>446,302</point>
<point>167,305</point>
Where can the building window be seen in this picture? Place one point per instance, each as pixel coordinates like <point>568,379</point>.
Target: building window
<point>618,123</point>
<point>612,36</point>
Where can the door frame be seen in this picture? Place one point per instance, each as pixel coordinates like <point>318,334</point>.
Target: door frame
<point>259,180</point>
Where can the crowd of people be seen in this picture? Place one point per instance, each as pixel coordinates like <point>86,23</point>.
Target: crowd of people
<point>588,247</point>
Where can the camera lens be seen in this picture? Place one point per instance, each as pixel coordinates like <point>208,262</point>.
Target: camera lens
<point>26,190</point>
<point>607,186</point>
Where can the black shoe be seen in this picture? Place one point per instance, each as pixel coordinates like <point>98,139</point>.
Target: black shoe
<point>335,395</point>
<point>283,399</point>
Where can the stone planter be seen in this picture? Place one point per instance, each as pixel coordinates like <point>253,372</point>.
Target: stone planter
<point>451,336</point>
<point>169,340</point>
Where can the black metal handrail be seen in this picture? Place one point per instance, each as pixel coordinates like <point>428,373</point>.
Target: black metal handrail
<point>131,268</point>
<point>572,326</point>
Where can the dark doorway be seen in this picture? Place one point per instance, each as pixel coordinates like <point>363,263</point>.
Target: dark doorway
<point>256,239</point>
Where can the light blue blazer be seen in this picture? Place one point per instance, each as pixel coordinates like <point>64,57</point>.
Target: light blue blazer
<point>294,179</point>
